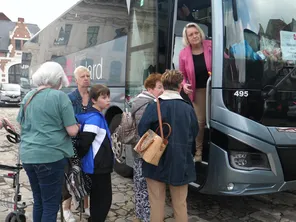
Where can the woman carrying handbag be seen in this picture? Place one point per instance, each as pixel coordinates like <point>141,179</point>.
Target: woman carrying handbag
<point>175,166</point>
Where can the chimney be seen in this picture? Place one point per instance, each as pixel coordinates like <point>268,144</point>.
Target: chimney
<point>21,20</point>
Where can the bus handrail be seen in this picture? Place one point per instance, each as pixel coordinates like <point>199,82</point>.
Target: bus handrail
<point>208,102</point>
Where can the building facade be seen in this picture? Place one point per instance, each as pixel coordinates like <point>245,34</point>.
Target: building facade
<point>13,36</point>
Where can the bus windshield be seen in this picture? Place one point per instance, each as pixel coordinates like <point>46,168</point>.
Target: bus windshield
<point>260,39</point>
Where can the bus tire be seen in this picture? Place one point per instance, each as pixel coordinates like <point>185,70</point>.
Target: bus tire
<point>120,168</point>
<point>123,170</point>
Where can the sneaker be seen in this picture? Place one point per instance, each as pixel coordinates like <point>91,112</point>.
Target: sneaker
<point>68,216</point>
<point>86,211</point>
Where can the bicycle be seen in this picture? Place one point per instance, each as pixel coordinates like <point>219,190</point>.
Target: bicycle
<point>18,213</point>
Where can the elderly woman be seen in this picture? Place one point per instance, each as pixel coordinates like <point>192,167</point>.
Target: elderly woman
<point>47,123</point>
<point>176,166</point>
<point>154,88</point>
<point>195,62</point>
<point>81,103</point>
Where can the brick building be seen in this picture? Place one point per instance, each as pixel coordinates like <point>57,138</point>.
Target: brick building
<point>13,35</point>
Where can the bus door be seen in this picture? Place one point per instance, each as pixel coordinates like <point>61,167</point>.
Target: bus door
<point>199,12</point>
<point>250,144</point>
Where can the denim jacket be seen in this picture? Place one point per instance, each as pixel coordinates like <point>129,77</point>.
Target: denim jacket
<point>76,100</point>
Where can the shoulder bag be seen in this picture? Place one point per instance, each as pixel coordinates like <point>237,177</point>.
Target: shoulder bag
<point>151,146</point>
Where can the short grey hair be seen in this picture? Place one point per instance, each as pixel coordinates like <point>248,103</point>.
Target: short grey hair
<point>52,74</point>
<point>190,25</point>
<point>80,69</point>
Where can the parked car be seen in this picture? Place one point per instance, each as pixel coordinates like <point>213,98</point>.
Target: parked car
<point>25,87</point>
<point>10,94</point>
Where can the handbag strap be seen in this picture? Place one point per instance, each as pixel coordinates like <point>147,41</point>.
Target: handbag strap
<point>30,99</point>
<point>159,118</point>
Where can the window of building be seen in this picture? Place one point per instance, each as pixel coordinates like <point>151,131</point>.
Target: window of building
<point>26,62</point>
<point>64,35</point>
<point>18,44</point>
<point>14,74</point>
<point>92,35</point>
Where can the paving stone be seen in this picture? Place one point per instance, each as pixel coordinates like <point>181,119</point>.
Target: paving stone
<point>264,217</point>
<point>120,220</point>
<point>118,198</point>
<point>121,212</point>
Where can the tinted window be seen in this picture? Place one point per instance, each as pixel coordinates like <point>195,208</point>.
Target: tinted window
<point>93,33</point>
<point>261,44</point>
<point>259,78</point>
<point>148,42</point>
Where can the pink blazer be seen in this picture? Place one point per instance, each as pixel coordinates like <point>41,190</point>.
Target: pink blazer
<point>186,65</point>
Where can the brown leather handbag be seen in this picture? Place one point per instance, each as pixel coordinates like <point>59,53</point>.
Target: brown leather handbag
<point>151,146</point>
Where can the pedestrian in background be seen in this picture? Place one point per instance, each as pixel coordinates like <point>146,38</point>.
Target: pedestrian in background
<point>81,103</point>
<point>94,149</point>
<point>176,166</point>
<point>154,88</point>
<point>195,63</point>
<point>47,124</point>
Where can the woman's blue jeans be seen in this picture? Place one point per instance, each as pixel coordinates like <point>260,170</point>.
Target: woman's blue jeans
<point>46,181</point>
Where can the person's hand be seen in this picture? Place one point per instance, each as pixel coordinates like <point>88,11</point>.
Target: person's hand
<point>5,121</point>
<point>187,89</point>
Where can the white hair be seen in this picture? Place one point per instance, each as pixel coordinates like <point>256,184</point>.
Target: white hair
<point>52,74</point>
<point>80,69</point>
<point>190,25</point>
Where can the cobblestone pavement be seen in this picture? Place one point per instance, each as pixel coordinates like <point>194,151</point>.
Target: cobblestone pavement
<point>279,207</point>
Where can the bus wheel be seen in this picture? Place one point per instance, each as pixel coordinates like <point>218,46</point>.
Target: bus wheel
<point>120,168</point>
<point>123,170</point>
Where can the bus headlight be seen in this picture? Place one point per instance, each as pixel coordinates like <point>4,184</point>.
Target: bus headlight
<point>248,161</point>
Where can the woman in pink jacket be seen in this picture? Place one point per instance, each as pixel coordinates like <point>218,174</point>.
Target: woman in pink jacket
<point>195,62</point>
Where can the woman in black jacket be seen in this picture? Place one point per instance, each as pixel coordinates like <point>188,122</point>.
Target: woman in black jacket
<point>176,166</point>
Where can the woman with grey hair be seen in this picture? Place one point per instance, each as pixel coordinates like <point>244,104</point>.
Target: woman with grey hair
<point>47,123</point>
<point>176,166</point>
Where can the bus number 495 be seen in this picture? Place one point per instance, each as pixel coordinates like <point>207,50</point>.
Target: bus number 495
<point>241,93</point>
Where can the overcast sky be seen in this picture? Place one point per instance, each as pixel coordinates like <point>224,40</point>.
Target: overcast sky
<point>40,12</point>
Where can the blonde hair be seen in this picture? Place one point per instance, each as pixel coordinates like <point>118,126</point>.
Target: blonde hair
<point>80,69</point>
<point>171,79</point>
<point>190,25</point>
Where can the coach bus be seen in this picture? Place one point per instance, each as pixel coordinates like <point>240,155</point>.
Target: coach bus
<point>250,144</point>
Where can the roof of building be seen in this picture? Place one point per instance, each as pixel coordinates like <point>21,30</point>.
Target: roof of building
<point>4,17</point>
<point>6,26</point>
